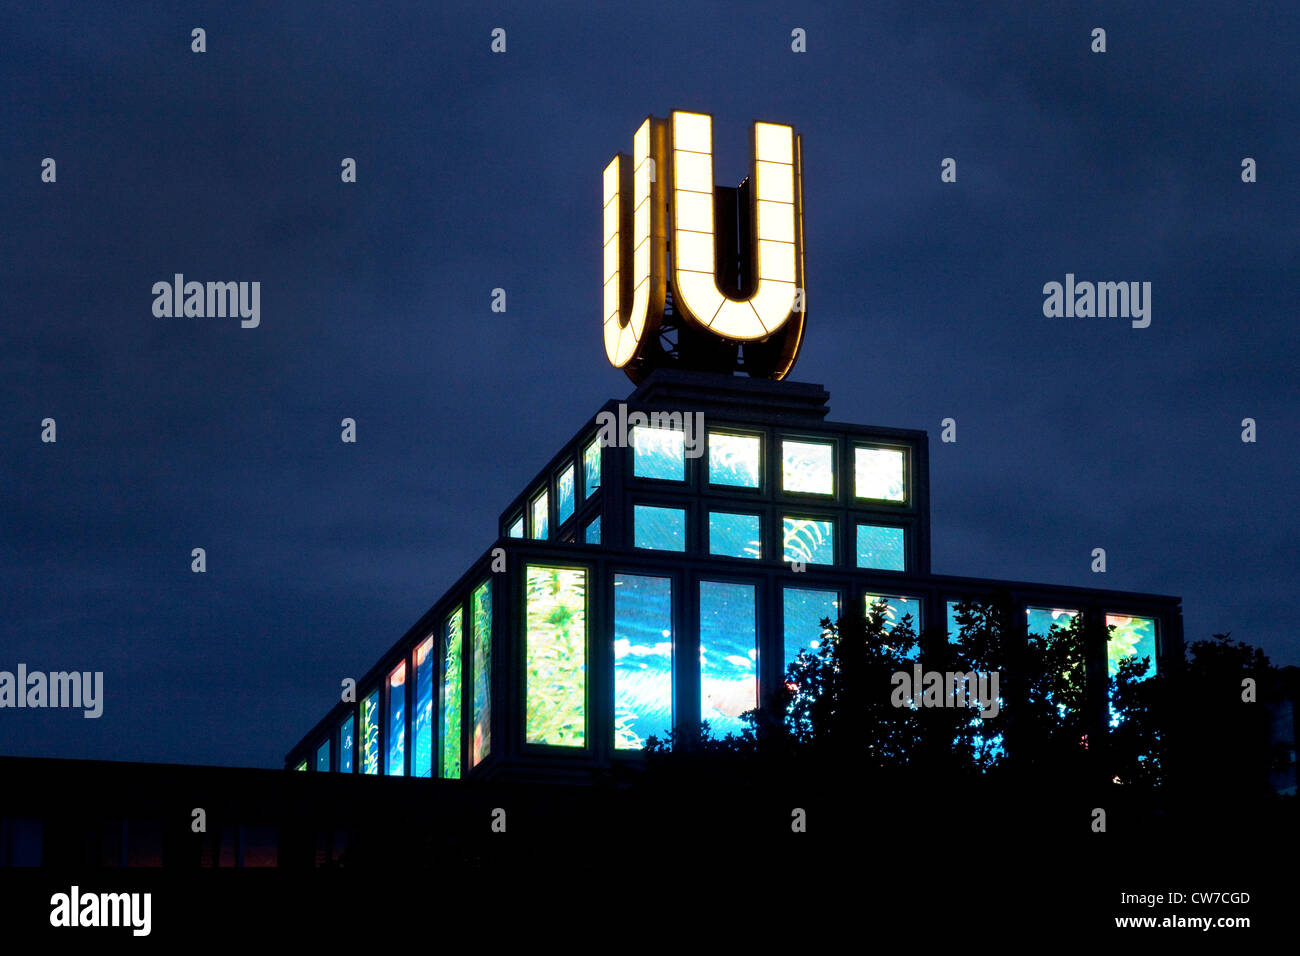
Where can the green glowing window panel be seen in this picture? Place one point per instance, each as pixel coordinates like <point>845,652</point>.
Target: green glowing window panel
<point>302,766</point>
<point>878,473</point>
<point>370,733</point>
<point>880,547</point>
<point>735,460</point>
<point>397,721</point>
<point>422,754</point>
<point>517,527</point>
<point>555,656</point>
<point>541,516</point>
<point>803,612</point>
<point>807,467</point>
<point>481,739</point>
<point>564,492</point>
<point>659,453</point>
<point>451,694</point>
<point>659,529</point>
<point>591,468</point>
<point>728,655</point>
<point>896,608</point>
<point>810,540</point>
<point>734,536</point>
<point>643,659</point>
<point>593,531</point>
<point>323,758</point>
<point>346,747</point>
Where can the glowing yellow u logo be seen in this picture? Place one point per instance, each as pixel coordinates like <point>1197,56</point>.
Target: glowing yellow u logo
<point>642,213</point>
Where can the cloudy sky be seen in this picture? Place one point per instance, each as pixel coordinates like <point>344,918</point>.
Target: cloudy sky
<point>479,170</point>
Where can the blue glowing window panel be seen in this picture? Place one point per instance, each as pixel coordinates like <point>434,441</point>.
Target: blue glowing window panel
<point>659,453</point>
<point>564,492</point>
<point>1129,637</point>
<point>878,473</point>
<point>735,460</point>
<point>643,659</point>
<point>593,531</point>
<point>728,655</point>
<point>734,536</point>
<point>517,527</point>
<point>397,721</point>
<point>591,468</point>
<point>659,529</point>
<point>481,620</point>
<point>370,733</point>
<point>323,758</point>
<point>809,540</point>
<point>808,467</point>
<point>541,516</point>
<point>451,695</point>
<point>880,547</point>
<point>896,608</point>
<point>1041,620</point>
<point>954,629</point>
<point>346,746</point>
<point>422,755</point>
<point>804,610</point>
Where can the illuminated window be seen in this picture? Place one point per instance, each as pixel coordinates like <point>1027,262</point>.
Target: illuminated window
<point>517,527</point>
<point>564,492</point>
<point>591,468</point>
<point>878,473</point>
<point>593,531</point>
<point>660,529</point>
<point>728,655</point>
<point>734,536</point>
<point>643,659</point>
<point>541,516</point>
<point>1041,620</point>
<point>481,610</point>
<point>809,540</point>
<point>659,453</point>
<point>734,460</point>
<point>896,608</point>
<point>555,656</point>
<point>451,695</point>
<point>346,731</point>
<point>808,467</point>
<point>397,721</point>
<point>302,766</point>
<point>370,733</point>
<point>954,629</point>
<point>1129,637</point>
<point>804,610</point>
<point>880,547</point>
<point>422,755</point>
<point>323,758</point>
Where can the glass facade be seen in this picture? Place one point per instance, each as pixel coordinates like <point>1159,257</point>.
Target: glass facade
<point>397,721</point>
<point>735,460</point>
<point>643,659</point>
<point>808,467</point>
<point>592,535</point>
<point>803,610</point>
<point>517,527</point>
<point>370,733</point>
<point>591,468</point>
<point>896,608</point>
<point>734,535</point>
<point>346,749</point>
<point>481,738</point>
<point>451,694</point>
<point>809,540</point>
<point>881,547</point>
<point>659,453</point>
<point>555,625</point>
<point>878,473</point>
<point>323,758</point>
<point>728,655</point>
<point>659,529</point>
<point>564,495</point>
<point>422,755</point>
<point>541,516</point>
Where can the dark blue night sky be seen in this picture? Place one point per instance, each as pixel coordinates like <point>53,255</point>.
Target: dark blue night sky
<point>478,171</point>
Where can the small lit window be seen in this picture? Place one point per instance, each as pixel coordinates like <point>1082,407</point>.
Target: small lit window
<point>564,493</point>
<point>451,694</point>
<point>880,547</point>
<point>878,473</point>
<point>593,531</point>
<point>346,746</point>
<point>734,536</point>
<point>810,540</point>
<point>896,608</point>
<point>323,757</point>
<point>660,529</point>
<point>659,453</point>
<point>541,516</point>
<point>517,527</point>
<point>734,460</point>
<point>397,721</point>
<point>422,754</point>
<point>370,733</point>
<point>591,468</point>
<point>808,467</point>
<point>804,611</point>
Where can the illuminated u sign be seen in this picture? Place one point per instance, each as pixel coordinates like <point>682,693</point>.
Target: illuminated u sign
<point>736,273</point>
